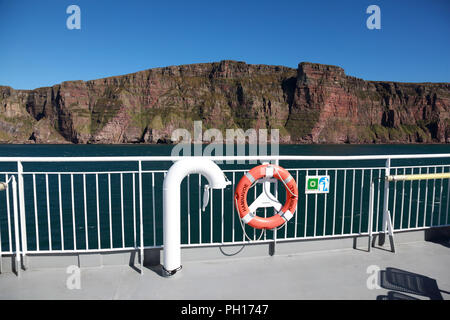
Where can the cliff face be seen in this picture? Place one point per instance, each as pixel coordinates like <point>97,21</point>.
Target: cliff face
<point>312,104</point>
<point>333,107</point>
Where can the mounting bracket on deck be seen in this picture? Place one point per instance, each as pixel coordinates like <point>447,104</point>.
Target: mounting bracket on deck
<point>387,223</point>
<point>387,228</point>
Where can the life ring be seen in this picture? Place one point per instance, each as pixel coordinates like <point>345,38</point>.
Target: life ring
<point>284,214</point>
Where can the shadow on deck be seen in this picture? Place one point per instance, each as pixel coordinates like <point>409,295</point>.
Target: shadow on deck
<point>400,282</point>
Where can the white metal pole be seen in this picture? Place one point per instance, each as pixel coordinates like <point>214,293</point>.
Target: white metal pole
<point>48,213</point>
<point>141,224</point>
<point>23,227</point>
<point>387,173</point>
<point>16,226</point>
<point>371,196</point>
<point>8,213</point>
<point>275,230</point>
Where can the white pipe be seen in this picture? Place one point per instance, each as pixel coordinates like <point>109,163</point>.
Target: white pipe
<point>16,226</point>
<point>171,203</point>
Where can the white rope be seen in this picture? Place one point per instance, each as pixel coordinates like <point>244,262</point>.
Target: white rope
<point>285,185</point>
<point>242,225</point>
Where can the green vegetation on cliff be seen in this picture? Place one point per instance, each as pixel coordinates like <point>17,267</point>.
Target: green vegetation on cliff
<point>313,104</point>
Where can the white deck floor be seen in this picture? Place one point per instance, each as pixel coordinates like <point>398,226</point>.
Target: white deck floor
<point>334,274</point>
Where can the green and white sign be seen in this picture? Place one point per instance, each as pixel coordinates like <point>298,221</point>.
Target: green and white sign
<point>317,184</point>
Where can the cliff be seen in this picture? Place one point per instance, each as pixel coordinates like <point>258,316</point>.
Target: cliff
<point>312,104</point>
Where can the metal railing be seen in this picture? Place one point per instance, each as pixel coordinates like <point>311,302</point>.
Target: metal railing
<point>79,204</point>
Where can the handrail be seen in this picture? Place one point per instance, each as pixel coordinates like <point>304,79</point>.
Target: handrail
<point>342,215</point>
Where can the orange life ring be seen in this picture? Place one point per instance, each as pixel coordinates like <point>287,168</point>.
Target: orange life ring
<point>286,212</point>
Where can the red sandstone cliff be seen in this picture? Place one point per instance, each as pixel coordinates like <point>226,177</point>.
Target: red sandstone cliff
<point>312,104</point>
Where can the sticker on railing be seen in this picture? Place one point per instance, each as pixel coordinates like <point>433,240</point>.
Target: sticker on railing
<point>317,184</point>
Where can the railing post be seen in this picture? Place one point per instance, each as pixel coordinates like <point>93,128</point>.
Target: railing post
<point>387,227</point>
<point>370,222</point>
<point>387,172</point>
<point>16,227</point>
<point>23,224</point>
<point>141,223</point>
<point>274,242</point>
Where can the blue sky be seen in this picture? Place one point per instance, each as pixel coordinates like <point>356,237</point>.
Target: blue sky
<point>119,37</point>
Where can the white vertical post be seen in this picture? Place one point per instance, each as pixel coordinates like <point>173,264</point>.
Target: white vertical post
<point>410,200</point>
<point>440,199</point>
<point>394,198</point>
<point>432,199</point>
<point>85,213</point>
<point>16,226</point>
<point>36,222</point>
<point>370,222</point>
<point>110,212</point>
<point>272,244</point>
<point>99,244</point>
<point>141,224</point>
<point>188,209</point>
<point>48,213</point>
<point>200,209</point>
<point>334,200</point>
<point>448,200</point>
<point>418,198</point>
<point>134,210</point>
<point>154,209</point>
<point>222,208</point>
<point>60,211</point>
<point>387,223</point>
<point>353,202</point>
<point>425,201</point>
<point>8,212</point>
<point>361,200</point>
<point>378,201</point>
<point>72,193</point>
<point>355,239</point>
<point>387,172</point>
<point>232,200</point>
<point>23,227</point>
<point>121,210</point>
<point>211,230</point>
<point>315,210</point>
<point>343,201</point>
<point>306,210</point>
<point>254,195</point>
<point>324,210</point>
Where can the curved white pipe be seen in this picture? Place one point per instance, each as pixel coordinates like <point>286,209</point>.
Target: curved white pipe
<point>171,203</point>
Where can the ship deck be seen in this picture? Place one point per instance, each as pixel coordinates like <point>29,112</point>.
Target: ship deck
<point>418,270</point>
